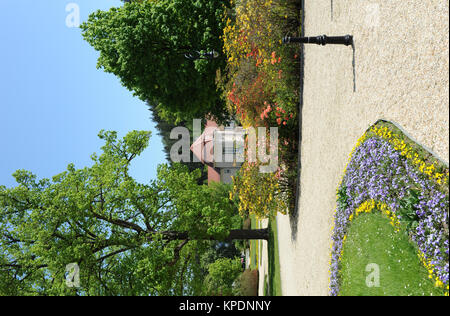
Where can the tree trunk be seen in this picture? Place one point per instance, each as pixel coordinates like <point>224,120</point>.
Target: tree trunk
<point>248,234</point>
<point>236,234</point>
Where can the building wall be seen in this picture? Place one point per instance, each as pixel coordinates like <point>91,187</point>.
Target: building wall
<point>227,173</point>
<point>213,175</point>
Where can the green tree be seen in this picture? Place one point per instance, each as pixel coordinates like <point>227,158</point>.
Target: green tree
<point>164,129</point>
<point>127,238</point>
<point>217,250</point>
<point>222,274</point>
<point>144,43</point>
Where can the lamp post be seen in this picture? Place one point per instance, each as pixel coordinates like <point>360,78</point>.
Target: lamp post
<point>194,55</point>
<point>320,40</point>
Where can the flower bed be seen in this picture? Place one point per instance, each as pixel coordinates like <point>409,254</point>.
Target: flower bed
<point>388,172</point>
<point>261,88</point>
<point>262,75</point>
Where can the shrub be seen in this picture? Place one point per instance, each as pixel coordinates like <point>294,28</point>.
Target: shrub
<point>260,68</point>
<point>259,194</point>
<point>222,274</point>
<point>247,283</point>
<point>260,86</point>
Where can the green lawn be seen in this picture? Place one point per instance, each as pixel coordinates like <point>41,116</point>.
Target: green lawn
<point>254,246</point>
<point>274,280</point>
<point>372,240</point>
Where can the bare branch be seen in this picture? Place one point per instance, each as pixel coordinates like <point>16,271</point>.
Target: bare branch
<point>177,250</point>
<point>114,253</point>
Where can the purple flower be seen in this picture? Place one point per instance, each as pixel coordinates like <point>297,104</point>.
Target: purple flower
<point>377,171</point>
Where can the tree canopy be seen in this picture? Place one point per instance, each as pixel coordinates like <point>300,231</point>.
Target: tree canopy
<point>127,238</point>
<point>144,43</point>
<point>222,275</point>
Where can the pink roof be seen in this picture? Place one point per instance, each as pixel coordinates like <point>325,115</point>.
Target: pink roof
<point>210,123</point>
<point>203,146</point>
<point>203,150</point>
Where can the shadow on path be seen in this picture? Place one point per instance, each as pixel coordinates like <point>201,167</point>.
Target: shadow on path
<point>354,66</point>
<point>331,9</point>
<point>293,215</point>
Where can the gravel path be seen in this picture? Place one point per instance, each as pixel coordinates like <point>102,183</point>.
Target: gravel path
<point>398,71</point>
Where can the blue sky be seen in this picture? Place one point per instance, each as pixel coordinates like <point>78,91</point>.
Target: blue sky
<point>53,99</point>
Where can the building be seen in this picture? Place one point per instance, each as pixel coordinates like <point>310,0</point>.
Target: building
<point>221,149</point>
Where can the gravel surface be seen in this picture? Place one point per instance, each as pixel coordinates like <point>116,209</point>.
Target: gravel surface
<point>398,70</point>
